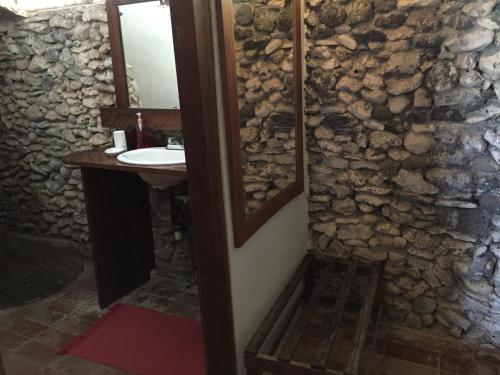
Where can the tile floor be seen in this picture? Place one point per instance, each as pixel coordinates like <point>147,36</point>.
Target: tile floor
<point>31,335</point>
<point>402,351</point>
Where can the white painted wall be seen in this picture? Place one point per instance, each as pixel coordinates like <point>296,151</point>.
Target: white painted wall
<point>263,266</point>
<point>149,49</point>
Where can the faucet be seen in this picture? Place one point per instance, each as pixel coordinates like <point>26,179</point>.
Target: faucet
<point>174,144</point>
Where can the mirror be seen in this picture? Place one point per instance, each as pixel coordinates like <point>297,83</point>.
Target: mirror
<point>261,45</point>
<point>144,27</point>
<point>143,44</point>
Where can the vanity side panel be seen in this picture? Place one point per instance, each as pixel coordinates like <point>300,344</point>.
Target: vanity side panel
<point>119,219</point>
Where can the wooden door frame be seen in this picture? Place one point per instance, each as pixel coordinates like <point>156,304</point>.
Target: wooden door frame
<point>197,91</point>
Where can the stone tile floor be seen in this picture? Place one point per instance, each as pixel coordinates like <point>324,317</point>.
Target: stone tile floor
<point>31,335</point>
<point>403,351</point>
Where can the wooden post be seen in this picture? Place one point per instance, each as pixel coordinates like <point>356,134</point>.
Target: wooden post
<point>2,370</point>
<point>250,371</point>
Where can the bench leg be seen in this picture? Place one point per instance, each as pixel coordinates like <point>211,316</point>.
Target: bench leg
<point>2,370</point>
<point>254,371</point>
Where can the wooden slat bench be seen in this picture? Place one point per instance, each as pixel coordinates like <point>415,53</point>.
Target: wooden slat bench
<point>321,297</point>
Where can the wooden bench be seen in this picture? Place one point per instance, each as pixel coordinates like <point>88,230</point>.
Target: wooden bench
<point>317,285</point>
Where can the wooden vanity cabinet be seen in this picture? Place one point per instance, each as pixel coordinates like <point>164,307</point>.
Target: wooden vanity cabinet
<point>119,220</point>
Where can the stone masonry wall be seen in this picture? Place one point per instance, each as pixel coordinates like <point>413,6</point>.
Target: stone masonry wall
<point>55,72</point>
<point>402,108</point>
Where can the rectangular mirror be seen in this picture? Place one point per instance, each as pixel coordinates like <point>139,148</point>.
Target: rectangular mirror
<point>145,27</point>
<point>141,35</point>
<point>261,48</point>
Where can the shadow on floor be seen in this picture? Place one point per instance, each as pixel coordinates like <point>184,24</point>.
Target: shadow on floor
<point>32,269</point>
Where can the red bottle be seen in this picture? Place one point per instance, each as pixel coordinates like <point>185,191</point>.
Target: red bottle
<point>141,136</point>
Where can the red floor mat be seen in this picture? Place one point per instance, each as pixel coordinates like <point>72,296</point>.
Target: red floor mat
<point>142,341</point>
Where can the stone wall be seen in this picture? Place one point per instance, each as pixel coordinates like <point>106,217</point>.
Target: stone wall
<point>264,58</point>
<point>55,72</point>
<point>402,108</point>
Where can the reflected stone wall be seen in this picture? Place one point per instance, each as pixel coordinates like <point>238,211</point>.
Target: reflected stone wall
<point>265,71</point>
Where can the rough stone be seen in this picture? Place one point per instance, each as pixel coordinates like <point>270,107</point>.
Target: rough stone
<point>442,77</point>
<point>450,178</point>
<point>418,143</point>
<point>361,109</point>
<point>332,14</point>
<point>398,103</point>
<point>424,305</point>
<point>264,19</point>
<point>354,231</point>
<point>359,11</point>
<point>407,4</point>
<point>403,62</point>
<point>489,64</point>
<point>414,182</point>
<point>384,140</point>
<point>474,39</point>
<point>398,86</point>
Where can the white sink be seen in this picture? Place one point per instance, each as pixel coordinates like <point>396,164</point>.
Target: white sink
<point>160,181</point>
<point>153,156</point>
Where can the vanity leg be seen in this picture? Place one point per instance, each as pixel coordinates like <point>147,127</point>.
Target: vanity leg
<point>254,371</point>
<point>121,234</point>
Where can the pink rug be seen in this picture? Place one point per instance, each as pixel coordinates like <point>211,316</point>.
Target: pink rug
<point>142,341</point>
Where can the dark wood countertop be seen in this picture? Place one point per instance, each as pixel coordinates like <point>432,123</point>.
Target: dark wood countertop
<point>98,159</point>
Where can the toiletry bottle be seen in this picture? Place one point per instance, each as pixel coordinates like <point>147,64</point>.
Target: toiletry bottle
<point>142,140</point>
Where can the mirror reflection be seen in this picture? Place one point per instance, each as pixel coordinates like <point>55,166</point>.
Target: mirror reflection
<point>264,54</point>
<point>146,30</point>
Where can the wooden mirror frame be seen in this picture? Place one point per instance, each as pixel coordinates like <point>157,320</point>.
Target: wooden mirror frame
<point>122,115</point>
<point>245,227</point>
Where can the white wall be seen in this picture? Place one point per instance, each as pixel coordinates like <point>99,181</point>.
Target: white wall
<point>149,49</point>
<point>262,267</point>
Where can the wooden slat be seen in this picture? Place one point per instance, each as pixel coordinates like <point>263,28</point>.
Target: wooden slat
<point>352,366</point>
<point>289,321</point>
<point>272,365</point>
<point>278,307</point>
<point>321,357</point>
<point>293,337</point>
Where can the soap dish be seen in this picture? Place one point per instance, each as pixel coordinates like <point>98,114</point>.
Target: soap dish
<point>113,151</point>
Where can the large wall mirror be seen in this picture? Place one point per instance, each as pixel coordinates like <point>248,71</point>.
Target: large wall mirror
<point>261,49</point>
<point>144,69</point>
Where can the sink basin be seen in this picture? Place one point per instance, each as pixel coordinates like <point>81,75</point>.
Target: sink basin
<point>153,156</point>
<point>160,181</point>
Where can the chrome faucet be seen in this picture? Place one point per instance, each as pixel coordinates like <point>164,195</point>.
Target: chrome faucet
<point>174,144</point>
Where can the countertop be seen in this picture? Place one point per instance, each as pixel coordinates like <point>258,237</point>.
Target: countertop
<point>98,159</point>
